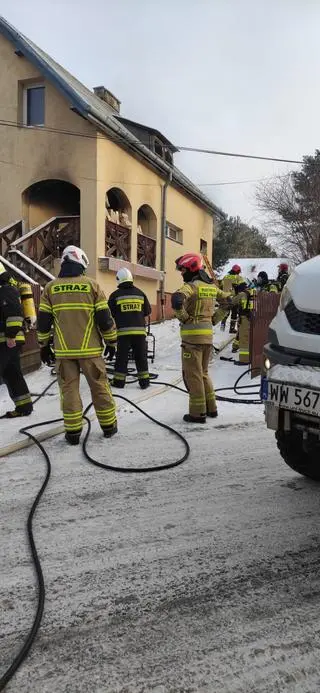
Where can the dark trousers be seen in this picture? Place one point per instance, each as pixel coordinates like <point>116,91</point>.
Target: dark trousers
<point>233,320</point>
<point>234,317</point>
<point>138,344</point>
<point>11,374</point>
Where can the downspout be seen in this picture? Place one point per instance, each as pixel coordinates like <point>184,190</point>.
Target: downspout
<point>164,189</point>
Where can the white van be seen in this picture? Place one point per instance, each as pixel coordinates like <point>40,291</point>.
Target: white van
<point>291,382</point>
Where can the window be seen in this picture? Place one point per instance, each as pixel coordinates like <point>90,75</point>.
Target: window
<point>168,156</point>
<point>33,105</point>
<point>203,247</point>
<point>174,233</point>
<point>158,148</point>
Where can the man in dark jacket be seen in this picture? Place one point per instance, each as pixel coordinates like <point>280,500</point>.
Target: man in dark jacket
<point>11,340</point>
<point>129,307</point>
<point>266,284</point>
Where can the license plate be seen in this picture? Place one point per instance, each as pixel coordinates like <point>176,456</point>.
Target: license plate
<point>292,397</point>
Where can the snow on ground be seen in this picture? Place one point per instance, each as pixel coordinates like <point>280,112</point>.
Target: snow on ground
<point>202,579</point>
<point>167,367</point>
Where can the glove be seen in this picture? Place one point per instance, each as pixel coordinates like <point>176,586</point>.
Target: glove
<point>109,352</point>
<point>47,355</point>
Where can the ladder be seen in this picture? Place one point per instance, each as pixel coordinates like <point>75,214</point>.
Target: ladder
<point>209,268</point>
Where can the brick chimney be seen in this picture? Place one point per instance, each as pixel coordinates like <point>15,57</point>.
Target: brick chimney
<point>106,96</point>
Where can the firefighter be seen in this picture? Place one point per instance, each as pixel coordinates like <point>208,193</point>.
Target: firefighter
<point>266,284</point>
<point>77,308</point>
<point>202,273</point>
<point>130,308</point>
<point>194,306</point>
<point>283,275</point>
<point>245,298</point>
<point>229,283</point>
<point>11,339</point>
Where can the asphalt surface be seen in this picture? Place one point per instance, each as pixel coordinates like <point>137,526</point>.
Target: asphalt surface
<point>204,578</point>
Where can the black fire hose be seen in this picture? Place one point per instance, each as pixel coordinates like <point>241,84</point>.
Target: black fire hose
<point>23,652</point>
<point>250,390</point>
<point>236,388</point>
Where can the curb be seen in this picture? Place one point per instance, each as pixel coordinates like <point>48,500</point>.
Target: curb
<point>21,444</point>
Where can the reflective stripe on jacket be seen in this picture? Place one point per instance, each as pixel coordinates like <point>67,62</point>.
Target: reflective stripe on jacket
<point>247,301</point>
<point>129,307</point>
<point>78,310</point>
<point>194,305</point>
<point>27,301</point>
<point>230,281</point>
<point>11,318</point>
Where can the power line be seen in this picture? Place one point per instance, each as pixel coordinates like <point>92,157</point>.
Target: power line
<point>120,138</point>
<point>241,156</point>
<point>203,185</point>
<point>239,182</point>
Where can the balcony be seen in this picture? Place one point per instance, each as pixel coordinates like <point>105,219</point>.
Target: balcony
<point>118,241</point>
<point>146,251</point>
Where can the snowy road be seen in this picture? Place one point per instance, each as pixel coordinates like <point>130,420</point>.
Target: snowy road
<point>204,578</point>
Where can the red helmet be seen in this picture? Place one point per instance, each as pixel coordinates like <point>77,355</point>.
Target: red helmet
<point>283,267</point>
<point>189,261</point>
<point>236,269</point>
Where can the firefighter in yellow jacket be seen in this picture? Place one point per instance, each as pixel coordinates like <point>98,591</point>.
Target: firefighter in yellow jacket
<point>245,296</point>
<point>194,305</point>
<point>77,309</point>
<point>230,283</point>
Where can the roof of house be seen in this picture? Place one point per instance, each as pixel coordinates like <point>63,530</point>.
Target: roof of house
<point>147,128</point>
<point>91,107</point>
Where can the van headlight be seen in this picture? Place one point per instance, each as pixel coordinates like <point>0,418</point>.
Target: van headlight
<point>285,298</point>
<point>267,364</point>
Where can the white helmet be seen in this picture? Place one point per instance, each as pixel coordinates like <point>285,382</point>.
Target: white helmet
<point>75,254</point>
<point>124,275</point>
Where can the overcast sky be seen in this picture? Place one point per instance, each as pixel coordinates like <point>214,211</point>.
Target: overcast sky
<point>232,75</point>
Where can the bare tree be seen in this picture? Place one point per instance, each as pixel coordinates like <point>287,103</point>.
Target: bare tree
<point>293,206</point>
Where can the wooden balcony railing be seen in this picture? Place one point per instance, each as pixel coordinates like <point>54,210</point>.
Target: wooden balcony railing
<point>30,268</point>
<point>146,251</point>
<point>45,243</point>
<point>8,235</point>
<point>118,241</point>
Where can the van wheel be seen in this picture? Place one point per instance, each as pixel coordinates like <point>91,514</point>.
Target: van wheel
<point>303,460</point>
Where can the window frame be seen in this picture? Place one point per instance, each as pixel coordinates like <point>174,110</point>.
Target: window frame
<point>203,241</point>
<point>177,230</point>
<point>25,89</point>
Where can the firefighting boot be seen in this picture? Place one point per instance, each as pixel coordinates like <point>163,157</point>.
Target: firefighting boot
<point>109,431</point>
<point>144,383</point>
<point>73,438</point>
<point>195,419</point>
<point>118,383</point>
<point>16,413</point>
<point>212,414</point>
